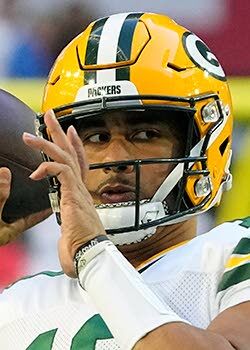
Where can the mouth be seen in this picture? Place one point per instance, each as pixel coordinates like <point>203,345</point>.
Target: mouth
<point>117,193</point>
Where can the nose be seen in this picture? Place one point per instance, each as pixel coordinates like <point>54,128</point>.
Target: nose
<point>123,168</point>
<point>117,151</point>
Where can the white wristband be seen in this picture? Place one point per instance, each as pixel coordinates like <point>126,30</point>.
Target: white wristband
<point>88,252</point>
<point>127,305</point>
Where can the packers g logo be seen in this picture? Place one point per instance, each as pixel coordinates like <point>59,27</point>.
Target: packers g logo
<point>201,56</point>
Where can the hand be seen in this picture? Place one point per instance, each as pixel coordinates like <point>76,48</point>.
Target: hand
<point>80,221</point>
<point>9,232</point>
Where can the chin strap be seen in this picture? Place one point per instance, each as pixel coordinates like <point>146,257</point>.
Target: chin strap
<point>119,216</point>
<point>131,237</point>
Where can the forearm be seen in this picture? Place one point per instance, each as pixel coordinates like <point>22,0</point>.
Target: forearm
<point>124,301</point>
<point>137,318</point>
<point>176,336</point>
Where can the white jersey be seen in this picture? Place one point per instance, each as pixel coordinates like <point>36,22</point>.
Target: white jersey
<point>198,280</point>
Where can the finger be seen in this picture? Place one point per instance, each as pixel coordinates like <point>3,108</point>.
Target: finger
<point>50,149</point>
<point>63,172</point>
<point>79,149</point>
<point>55,130</point>
<point>5,182</point>
<point>69,184</point>
<point>58,135</point>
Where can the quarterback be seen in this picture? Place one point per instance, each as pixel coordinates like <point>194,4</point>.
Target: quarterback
<point>136,135</point>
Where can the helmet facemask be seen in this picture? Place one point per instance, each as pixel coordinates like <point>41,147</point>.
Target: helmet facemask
<point>132,221</point>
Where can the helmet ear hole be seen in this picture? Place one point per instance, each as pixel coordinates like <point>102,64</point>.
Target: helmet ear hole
<point>223,146</point>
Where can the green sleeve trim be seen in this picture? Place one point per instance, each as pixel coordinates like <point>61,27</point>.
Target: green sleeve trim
<point>234,276</point>
<point>47,273</point>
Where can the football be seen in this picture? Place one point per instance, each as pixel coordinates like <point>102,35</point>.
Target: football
<point>27,196</point>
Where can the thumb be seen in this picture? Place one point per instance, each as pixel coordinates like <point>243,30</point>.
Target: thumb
<point>5,181</point>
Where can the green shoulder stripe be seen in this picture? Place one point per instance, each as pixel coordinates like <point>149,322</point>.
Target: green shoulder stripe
<point>47,273</point>
<point>243,247</point>
<point>245,222</point>
<point>234,276</point>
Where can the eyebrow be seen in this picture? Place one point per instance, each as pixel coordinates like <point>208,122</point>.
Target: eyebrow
<point>132,118</point>
<point>90,122</point>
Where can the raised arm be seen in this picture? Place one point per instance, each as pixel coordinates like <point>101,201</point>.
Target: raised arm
<point>135,316</point>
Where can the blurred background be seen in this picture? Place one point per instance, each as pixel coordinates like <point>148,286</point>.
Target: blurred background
<point>34,32</point>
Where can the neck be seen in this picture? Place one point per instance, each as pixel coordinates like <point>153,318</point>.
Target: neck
<point>164,238</point>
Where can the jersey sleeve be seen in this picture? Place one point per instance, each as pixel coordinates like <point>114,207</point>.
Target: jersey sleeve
<point>234,285</point>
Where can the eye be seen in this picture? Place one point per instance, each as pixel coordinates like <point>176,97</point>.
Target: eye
<point>98,138</point>
<point>146,134</point>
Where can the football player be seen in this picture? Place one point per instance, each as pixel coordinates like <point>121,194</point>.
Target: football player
<point>137,142</point>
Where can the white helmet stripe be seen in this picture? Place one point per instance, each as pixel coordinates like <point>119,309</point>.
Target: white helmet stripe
<point>107,49</point>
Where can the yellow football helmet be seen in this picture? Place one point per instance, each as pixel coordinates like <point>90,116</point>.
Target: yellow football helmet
<point>146,61</point>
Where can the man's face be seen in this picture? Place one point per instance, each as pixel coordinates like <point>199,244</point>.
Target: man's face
<point>121,136</point>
